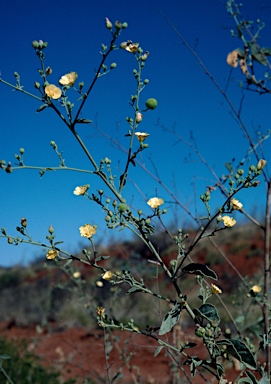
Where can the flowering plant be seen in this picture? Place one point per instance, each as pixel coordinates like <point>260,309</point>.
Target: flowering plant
<point>142,221</point>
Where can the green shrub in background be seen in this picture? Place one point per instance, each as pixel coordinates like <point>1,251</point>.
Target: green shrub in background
<point>18,366</point>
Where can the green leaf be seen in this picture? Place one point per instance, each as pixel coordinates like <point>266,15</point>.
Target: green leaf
<point>171,318</point>
<point>158,350</point>
<point>67,263</point>
<point>58,242</point>
<point>4,357</point>
<point>244,380</point>
<point>260,58</point>
<point>246,356</point>
<point>42,107</point>
<point>83,121</point>
<point>133,290</point>
<point>266,51</point>
<point>240,351</point>
<point>188,344</point>
<point>208,312</point>
<point>200,269</point>
<point>252,377</point>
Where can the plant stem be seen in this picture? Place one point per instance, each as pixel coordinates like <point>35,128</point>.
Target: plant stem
<point>267,274</point>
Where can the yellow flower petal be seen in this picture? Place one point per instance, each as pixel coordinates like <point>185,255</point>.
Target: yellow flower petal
<point>256,289</point>
<point>132,47</point>
<point>87,230</point>
<point>141,136</point>
<point>52,91</point>
<point>228,221</point>
<point>155,202</point>
<point>261,164</point>
<point>107,275</point>
<point>68,79</point>
<point>236,205</point>
<point>232,59</point>
<point>81,190</point>
<point>52,254</point>
<point>216,290</point>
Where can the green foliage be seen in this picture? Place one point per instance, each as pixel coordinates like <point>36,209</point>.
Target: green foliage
<point>17,365</point>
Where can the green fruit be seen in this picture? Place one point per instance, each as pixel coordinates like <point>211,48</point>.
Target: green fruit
<point>151,103</point>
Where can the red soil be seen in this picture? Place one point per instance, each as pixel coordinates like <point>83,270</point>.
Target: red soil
<point>79,354</point>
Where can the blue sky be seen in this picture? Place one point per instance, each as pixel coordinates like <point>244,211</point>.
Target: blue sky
<point>187,101</point>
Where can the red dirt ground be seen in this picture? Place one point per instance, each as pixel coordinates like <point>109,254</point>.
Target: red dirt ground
<point>78,353</point>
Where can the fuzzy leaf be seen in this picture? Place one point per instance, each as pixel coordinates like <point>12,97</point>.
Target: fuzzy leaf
<point>266,51</point>
<point>246,356</point>
<point>200,269</point>
<point>208,312</point>
<point>83,121</point>
<point>252,377</point>
<point>260,58</point>
<point>133,290</point>
<point>171,318</point>
<point>158,350</point>
<point>240,351</point>
<point>42,107</point>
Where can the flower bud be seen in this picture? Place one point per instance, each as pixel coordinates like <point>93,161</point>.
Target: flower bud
<point>124,25</point>
<point>24,222</point>
<point>145,56</point>
<point>35,44</point>
<point>113,65</point>
<point>146,81</point>
<point>48,71</point>
<point>51,229</point>
<point>21,151</point>
<point>108,23</point>
<point>139,117</point>
<point>37,85</point>
<point>261,164</point>
<point>10,241</point>
<point>53,144</point>
<point>118,25</point>
<point>123,207</point>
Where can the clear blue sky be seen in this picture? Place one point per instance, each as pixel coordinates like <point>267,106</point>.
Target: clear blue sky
<point>187,101</point>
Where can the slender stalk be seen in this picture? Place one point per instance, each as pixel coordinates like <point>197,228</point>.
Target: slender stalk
<point>20,90</point>
<point>266,304</point>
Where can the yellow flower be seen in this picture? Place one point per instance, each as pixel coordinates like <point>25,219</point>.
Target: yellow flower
<point>155,202</point>
<point>236,205</point>
<point>256,289</point>
<point>52,254</point>
<point>139,117</point>
<point>87,230</point>
<point>99,284</point>
<point>141,136</point>
<point>228,221</point>
<point>261,164</point>
<point>100,311</point>
<point>52,91</point>
<point>132,47</point>
<point>107,275</point>
<point>68,79</point>
<point>81,190</point>
<point>216,290</point>
<point>232,59</point>
<point>76,274</point>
